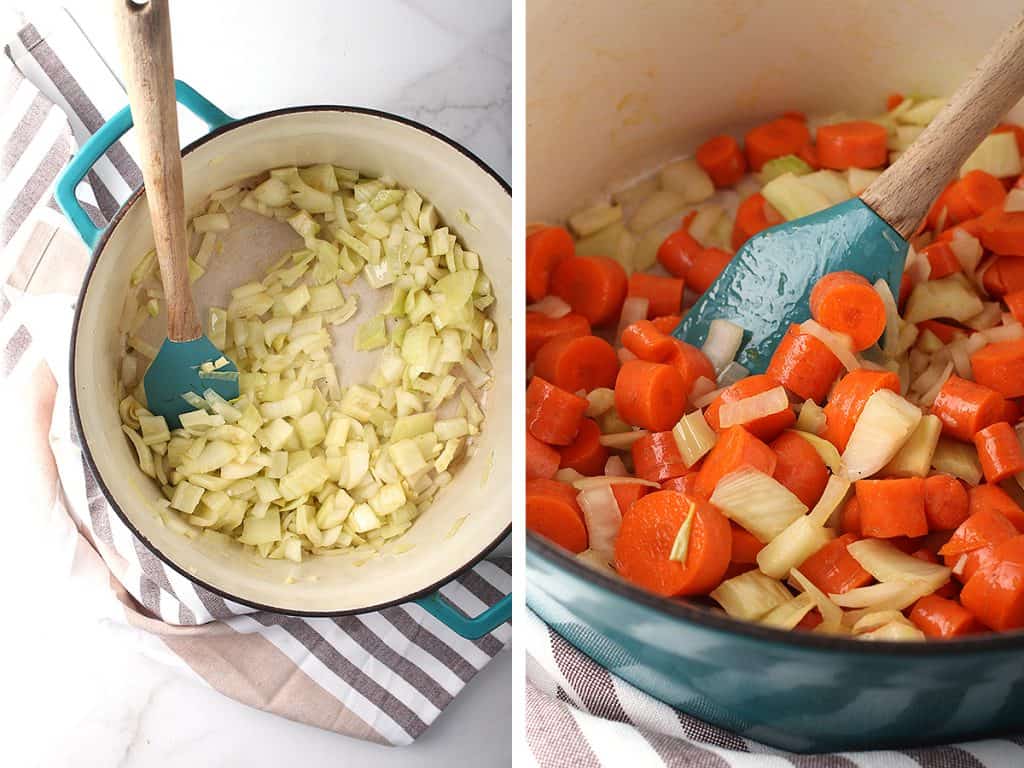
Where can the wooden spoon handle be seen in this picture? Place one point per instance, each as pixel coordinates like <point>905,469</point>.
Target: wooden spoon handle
<point>144,31</point>
<point>903,194</point>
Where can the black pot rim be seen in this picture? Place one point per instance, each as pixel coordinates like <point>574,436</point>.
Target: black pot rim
<point>101,243</point>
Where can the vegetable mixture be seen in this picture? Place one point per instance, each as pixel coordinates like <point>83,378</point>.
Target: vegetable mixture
<point>299,464</point>
<point>870,482</point>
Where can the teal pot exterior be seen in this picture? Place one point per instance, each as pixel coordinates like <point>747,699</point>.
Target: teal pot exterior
<point>793,690</point>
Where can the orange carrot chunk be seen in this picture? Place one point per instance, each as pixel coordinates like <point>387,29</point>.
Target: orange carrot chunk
<point>552,512</point>
<point>545,250</point>
<point>648,533</point>
<point>1004,275</point>
<point>973,543</point>
<point>552,414</point>
<point>745,545</point>
<point>833,570</point>
<point>649,395</point>
<point>585,454</point>
<point>847,400</point>
<point>994,499</point>
<point>783,136</point>
<point>938,617</point>
<point>667,323</point>
<point>577,362</point>
<point>999,451</point>
<point>678,252</point>
<point>964,407</point>
<point>1015,303</point>
<point>540,329</point>
<point>849,517</point>
<point>891,508</point>
<point>690,363</point>
<point>541,459</point>
<point>736,448</point>
<point>594,286</point>
<point>645,340</point>
<point>1003,232</point>
<point>799,467</point>
<point>846,302</point>
<point>656,457</point>
<point>723,160</point>
<point>754,214</point>
<point>856,144</point>
<point>1016,130</point>
<point>664,294</point>
<point>945,502</point>
<point>995,594</point>
<point>706,268</point>
<point>942,260</point>
<point>627,494</point>
<point>974,194</point>
<point>892,101</point>
<point>767,427</point>
<point>804,365</point>
<point>1000,366</point>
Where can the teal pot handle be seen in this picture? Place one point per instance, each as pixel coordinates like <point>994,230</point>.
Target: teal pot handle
<point>470,628</point>
<point>109,134</point>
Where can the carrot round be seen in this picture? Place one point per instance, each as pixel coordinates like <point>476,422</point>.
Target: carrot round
<point>736,448</point>
<point>891,508</point>
<point>645,340</point>
<point>678,252</point>
<point>594,286</point>
<point>767,427</point>
<point>552,414</point>
<point>938,617</point>
<point>999,451</point>
<point>646,537</point>
<point>683,484</point>
<point>804,365</point>
<point>706,269</point>
<point>992,498</point>
<point>656,457</point>
<point>585,454</point>
<point>1003,232</point>
<point>974,194</point>
<point>722,160</point>
<point>964,407</point>
<point>799,467</point>
<point>783,136</point>
<point>995,595</point>
<point>846,302</point>
<point>627,494</point>
<point>892,101</point>
<point>847,400</point>
<point>1015,303</point>
<point>664,294</point>
<point>1000,366</point>
<point>945,502</point>
<point>942,260</point>
<point>1004,275</point>
<point>970,227</point>
<point>577,362</point>
<point>973,543</point>
<point>540,329</point>
<point>649,395</point>
<point>856,144</point>
<point>545,250</point>
<point>849,517</point>
<point>690,363</point>
<point>541,459</point>
<point>745,545</point>
<point>754,214</point>
<point>833,570</point>
<point>552,512</point>
<point>667,323</point>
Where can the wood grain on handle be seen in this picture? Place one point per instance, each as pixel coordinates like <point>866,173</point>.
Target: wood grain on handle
<point>145,36</point>
<point>904,192</point>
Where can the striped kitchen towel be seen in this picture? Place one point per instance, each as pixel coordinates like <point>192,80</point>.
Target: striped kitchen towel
<point>383,677</point>
<point>578,714</point>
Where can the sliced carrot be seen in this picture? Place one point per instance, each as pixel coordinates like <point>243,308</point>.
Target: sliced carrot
<point>890,508</point>
<point>745,545</point>
<point>1012,412</point>
<point>648,533</point>
<point>942,260</point>
<point>974,194</point>
<point>736,448</point>
<point>706,269</point>
<point>1015,303</point>
<point>585,454</point>
<point>783,136</point>
<point>1000,366</point>
<point>892,101</point>
<point>1004,275</point>
<point>847,303</point>
<point>945,502</point>
<point>855,144</point>
<point>944,331</point>
<point>594,286</point>
<point>751,217</point>
<point>540,329</point>
<point>973,543</point>
<point>970,227</point>
<point>722,159</point>
<point>664,294</point>
<point>849,517</point>
<point>1003,232</point>
<point>939,617</point>
<point>847,400</point>
<point>690,363</point>
<point>545,250</point>
<point>667,323</point>
<point>627,494</point>
<point>804,365</point>
<point>645,340</point>
<point>950,589</point>
<point>799,467</point>
<point>766,427</point>
<point>552,414</point>
<point>964,407</point>
<point>833,570</point>
<point>656,457</point>
<point>650,395</point>
<point>939,213</point>
<point>577,362</point>
<point>810,621</point>
<point>1016,130</point>
<point>994,499</point>
<point>678,252</point>
<point>541,459</point>
<point>552,512</point>
<point>999,451</point>
<point>683,484</point>
<point>995,595</point>
<point>809,154</point>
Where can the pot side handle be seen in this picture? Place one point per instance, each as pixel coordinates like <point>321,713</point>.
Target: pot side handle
<point>109,134</point>
<point>470,628</point>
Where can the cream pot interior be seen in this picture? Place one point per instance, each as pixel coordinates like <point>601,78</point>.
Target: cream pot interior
<point>614,89</point>
<point>468,516</point>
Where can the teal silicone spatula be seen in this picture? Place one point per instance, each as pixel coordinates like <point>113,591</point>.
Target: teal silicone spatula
<point>145,37</point>
<point>767,284</point>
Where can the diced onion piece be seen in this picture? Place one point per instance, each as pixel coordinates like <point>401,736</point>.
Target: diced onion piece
<point>886,563</point>
<point>757,502</point>
<point>707,398</point>
<point>597,561</point>
<point>722,343</point>
<point>885,424</point>
<point>997,154</point>
<point>634,309</point>
<point>865,622</point>
<point>836,490</point>
<point>663,205</point>
<point>967,249</point>
<point>831,614</point>
<point>892,317</point>
<point>811,419</point>
<point>914,459</point>
<point>839,344</point>
<point>800,539</point>
<point>894,631</point>
<point>754,407</point>
<point>615,467</point>
<point>602,516</point>
<point>581,483</point>
<point>895,595</point>
<point>688,179</point>
<point>732,373</point>
<point>622,441</point>
<point>789,614</point>
<point>750,595</point>
<point>788,195</point>
<point>950,297</point>
<point>568,475</point>
<point>826,450</point>
<point>600,401</point>
<point>590,220</point>
<point>693,437</point>
<point>702,387</point>
<point>1014,202</point>
<point>958,459</point>
<point>551,306</point>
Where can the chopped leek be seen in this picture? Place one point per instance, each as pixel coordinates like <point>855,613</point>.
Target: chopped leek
<point>693,437</point>
<point>784,164</point>
<point>757,502</point>
<point>750,595</point>
<point>800,539</point>
<point>792,198</point>
<point>914,459</point>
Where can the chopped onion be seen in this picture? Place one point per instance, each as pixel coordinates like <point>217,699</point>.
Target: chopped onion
<point>568,475</point>
<point>831,614</point>
<point>750,595</point>
<point>914,459</point>
<point>950,297</point>
<point>597,561</point>
<point>615,467</point>
<point>961,359</point>
<point>789,614</point>
<point>1014,202</point>
<point>634,309</point>
<point>622,441</point>
<point>838,343</point>
<point>722,343</point>
<point>757,502</point>
<point>551,306</point>
<point>928,396</point>
<point>892,318</point>
<point>602,516</point>
<point>865,622</point>
<point>958,459</point>
<point>836,490</point>
<point>895,595</point>
<point>732,373</point>
<point>895,631</point>
<point>702,386</point>
<point>754,407</point>
<point>798,541</point>
<point>693,437</point>
<point>828,452</point>
<point>811,419</point>
<point>989,316</point>
<point>708,397</point>
<point>581,483</point>
<point>600,401</point>
<point>1005,332</point>
<point>885,424</point>
<point>887,563</point>
<point>624,355</point>
<point>967,249</point>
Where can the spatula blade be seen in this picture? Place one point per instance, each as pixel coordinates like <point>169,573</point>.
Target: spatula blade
<point>767,284</point>
<point>176,371</point>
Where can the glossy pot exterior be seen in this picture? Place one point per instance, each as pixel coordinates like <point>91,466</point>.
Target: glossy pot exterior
<point>613,90</point>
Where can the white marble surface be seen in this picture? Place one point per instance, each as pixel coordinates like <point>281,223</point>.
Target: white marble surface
<point>84,691</point>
